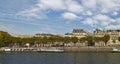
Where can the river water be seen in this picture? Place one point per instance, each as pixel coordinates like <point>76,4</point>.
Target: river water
<point>59,58</point>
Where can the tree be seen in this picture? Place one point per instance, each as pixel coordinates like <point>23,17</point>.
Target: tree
<point>83,39</point>
<point>119,38</point>
<point>98,39</point>
<point>16,41</point>
<point>5,38</point>
<point>74,39</point>
<point>66,39</point>
<point>90,40</point>
<point>106,38</point>
<point>27,41</point>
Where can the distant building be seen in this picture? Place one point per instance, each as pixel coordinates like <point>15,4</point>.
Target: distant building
<point>43,35</point>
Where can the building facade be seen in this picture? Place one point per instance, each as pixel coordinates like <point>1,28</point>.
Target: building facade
<point>114,35</point>
<point>78,33</point>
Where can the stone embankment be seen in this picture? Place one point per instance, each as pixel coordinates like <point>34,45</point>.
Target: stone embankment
<point>76,49</point>
<point>88,49</point>
<point>84,49</point>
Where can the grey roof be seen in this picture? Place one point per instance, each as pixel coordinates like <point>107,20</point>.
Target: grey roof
<point>68,34</point>
<point>78,31</point>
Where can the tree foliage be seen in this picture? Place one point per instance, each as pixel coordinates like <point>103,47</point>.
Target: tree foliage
<point>5,38</point>
<point>104,39</point>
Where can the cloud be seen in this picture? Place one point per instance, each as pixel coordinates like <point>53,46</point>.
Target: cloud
<point>103,19</point>
<point>115,27</point>
<point>39,9</point>
<point>74,6</point>
<point>89,7</point>
<point>93,12</point>
<point>109,5</point>
<point>70,16</point>
<point>89,4</point>
<point>34,12</point>
<point>99,21</point>
<point>52,4</point>
<point>90,21</point>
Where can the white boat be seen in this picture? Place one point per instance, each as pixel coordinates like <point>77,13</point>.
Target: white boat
<point>115,50</point>
<point>20,49</point>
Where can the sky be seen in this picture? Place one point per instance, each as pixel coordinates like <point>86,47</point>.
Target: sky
<point>28,17</point>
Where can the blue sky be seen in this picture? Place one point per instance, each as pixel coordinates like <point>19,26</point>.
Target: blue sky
<point>27,17</point>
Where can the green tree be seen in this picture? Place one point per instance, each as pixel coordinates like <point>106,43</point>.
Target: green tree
<point>66,40</point>
<point>90,40</point>
<point>83,39</point>
<point>119,38</point>
<point>74,39</point>
<point>16,41</point>
<point>106,38</point>
<point>5,38</point>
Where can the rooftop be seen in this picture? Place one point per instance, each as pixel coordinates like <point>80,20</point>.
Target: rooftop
<point>78,31</point>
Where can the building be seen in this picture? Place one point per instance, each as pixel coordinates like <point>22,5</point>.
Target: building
<point>99,33</point>
<point>77,33</point>
<point>114,35</point>
<point>80,33</point>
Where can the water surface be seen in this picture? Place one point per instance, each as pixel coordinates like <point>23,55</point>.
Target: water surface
<point>59,58</point>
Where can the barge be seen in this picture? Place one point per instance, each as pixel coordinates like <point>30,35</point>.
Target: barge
<point>32,49</point>
<point>20,49</point>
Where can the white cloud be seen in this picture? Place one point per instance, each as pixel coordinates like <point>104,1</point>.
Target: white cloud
<point>89,13</point>
<point>94,12</point>
<point>89,3</point>
<point>86,6</point>
<point>53,4</point>
<point>113,27</point>
<point>39,9</point>
<point>70,16</point>
<point>73,6</point>
<point>109,5</point>
<point>103,19</point>
<point>90,21</point>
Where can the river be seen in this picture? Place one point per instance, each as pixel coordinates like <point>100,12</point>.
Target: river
<point>59,58</point>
